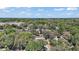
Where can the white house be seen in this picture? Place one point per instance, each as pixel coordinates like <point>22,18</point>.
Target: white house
<point>11,23</point>
<point>56,38</point>
<point>39,38</point>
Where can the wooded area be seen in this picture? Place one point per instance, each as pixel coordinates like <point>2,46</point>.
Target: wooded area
<point>39,34</point>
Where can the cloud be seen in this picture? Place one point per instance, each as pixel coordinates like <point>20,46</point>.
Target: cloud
<point>40,9</point>
<point>28,14</point>
<point>76,15</point>
<point>38,15</point>
<point>58,9</point>
<point>2,7</point>
<point>49,15</point>
<point>72,8</point>
<point>5,10</point>
<point>67,14</point>
<point>22,12</point>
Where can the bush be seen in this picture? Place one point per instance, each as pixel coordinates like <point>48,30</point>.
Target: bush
<point>35,46</point>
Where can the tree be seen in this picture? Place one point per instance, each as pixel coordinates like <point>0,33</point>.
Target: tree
<point>21,40</point>
<point>35,45</point>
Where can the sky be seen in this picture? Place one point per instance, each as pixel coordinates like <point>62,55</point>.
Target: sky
<point>39,12</point>
<point>39,3</point>
<point>39,8</point>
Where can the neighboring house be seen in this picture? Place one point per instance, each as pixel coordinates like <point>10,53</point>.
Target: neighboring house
<point>38,30</point>
<point>66,34</point>
<point>48,46</point>
<point>57,28</point>
<point>26,30</point>
<point>39,38</point>
<point>11,23</point>
<point>1,30</point>
<point>56,38</point>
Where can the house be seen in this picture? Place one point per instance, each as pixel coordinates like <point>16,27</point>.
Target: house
<point>56,38</point>
<point>40,37</point>
<point>48,46</point>
<point>11,23</point>
<point>38,30</point>
<point>66,34</point>
<point>57,28</point>
<point>1,30</point>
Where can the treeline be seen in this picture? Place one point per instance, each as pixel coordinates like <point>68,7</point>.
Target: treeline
<point>28,19</point>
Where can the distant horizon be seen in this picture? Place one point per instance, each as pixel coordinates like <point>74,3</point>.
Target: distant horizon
<point>39,12</point>
<point>47,18</point>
